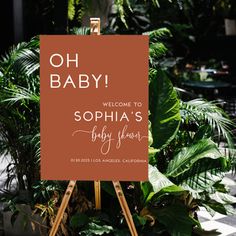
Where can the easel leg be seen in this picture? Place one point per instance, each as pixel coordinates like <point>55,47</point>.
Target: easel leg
<point>97,190</point>
<point>62,208</point>
<point>125,208</point>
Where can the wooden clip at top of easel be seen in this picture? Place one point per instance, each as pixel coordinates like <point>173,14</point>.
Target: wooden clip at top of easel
<point>95,26</point>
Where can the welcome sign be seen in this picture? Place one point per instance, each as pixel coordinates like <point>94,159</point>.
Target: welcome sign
<point>94,107</point>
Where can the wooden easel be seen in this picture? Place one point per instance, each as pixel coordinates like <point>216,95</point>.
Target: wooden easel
<point>95,30</point>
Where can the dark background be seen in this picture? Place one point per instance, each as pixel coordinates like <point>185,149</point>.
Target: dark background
<point>50,17</point>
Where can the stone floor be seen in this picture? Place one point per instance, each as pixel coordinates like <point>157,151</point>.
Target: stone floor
<point>219,225</point>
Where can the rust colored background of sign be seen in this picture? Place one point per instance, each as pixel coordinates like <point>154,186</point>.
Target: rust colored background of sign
<point>94,107</point>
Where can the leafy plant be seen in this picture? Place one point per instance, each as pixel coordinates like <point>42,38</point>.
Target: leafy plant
<point>76,11</point>
<point>202,112</point>
<point>186,165</point>
<point>127,7</point>
<point>164,108</point>
<point>128,17</point>
<point>192,164</point>
<point>18,76</point>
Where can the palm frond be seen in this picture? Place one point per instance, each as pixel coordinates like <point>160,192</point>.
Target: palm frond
<point>20,94</point>
<point>80,31</point>
<point>34,141</point>
<point>200,111</point>
<point>158,34</point>
<point>9,57</point>
<point>27,61</point>
<point>156,50</point>
<point>22,58</point>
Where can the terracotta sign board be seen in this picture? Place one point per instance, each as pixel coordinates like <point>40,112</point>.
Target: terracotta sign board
<point>94,107</point>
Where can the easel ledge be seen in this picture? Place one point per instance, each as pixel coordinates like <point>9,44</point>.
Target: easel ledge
<point>95,30</point>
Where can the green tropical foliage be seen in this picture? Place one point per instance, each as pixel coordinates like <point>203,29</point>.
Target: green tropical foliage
<point>204,112</point>
<point>18,127</point>
<point>76,10</point>
<point>164,108</point>
<point>186,165</point>
<point>124,6</point>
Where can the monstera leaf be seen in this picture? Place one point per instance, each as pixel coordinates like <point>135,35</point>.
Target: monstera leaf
<point>164,108</point>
